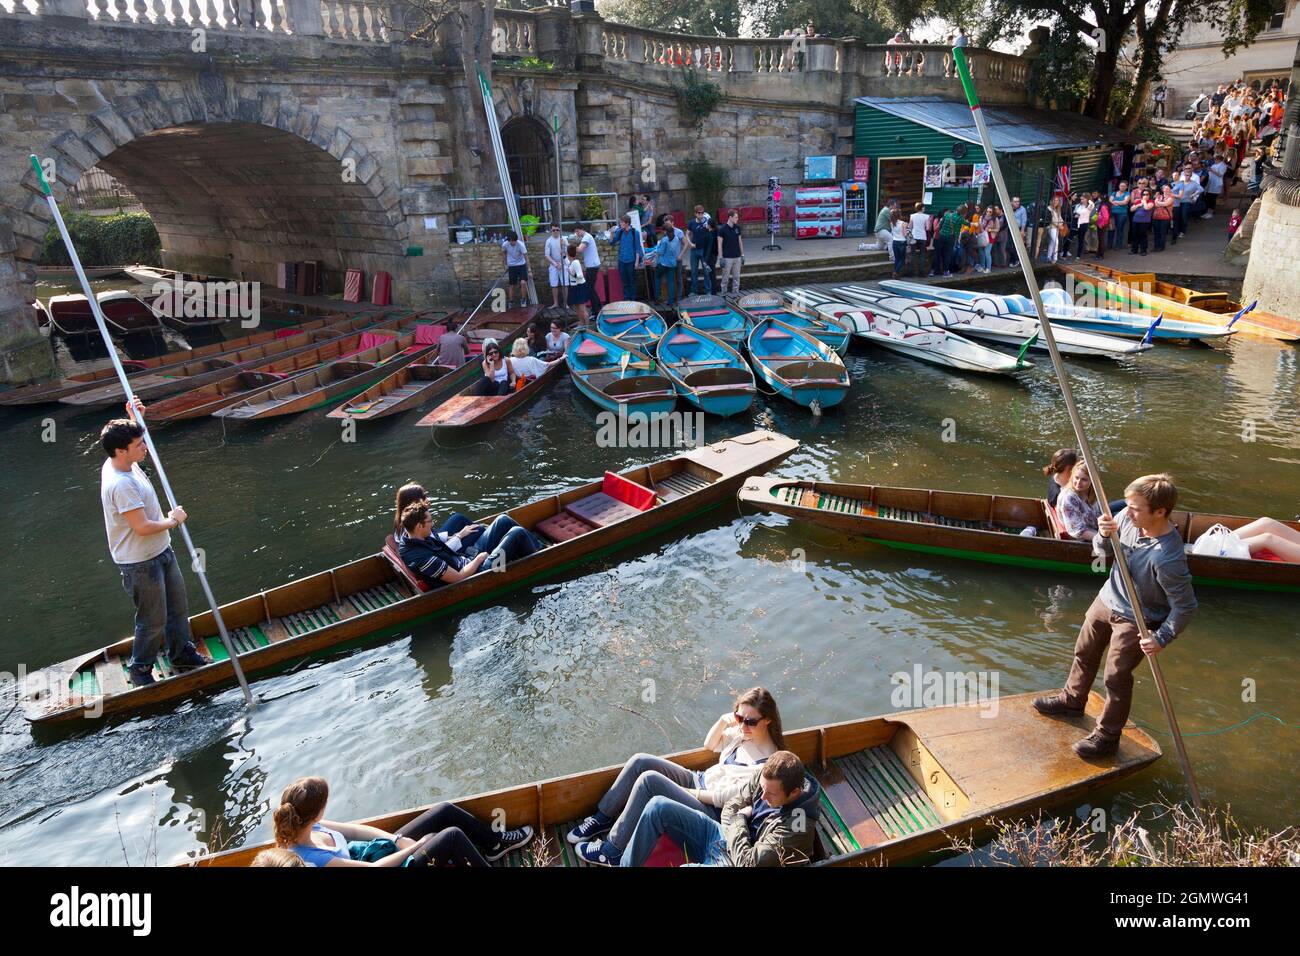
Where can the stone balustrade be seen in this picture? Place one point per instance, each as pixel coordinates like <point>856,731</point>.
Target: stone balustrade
<point>593,43</point>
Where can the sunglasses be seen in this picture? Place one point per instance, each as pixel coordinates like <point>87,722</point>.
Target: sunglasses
<point>747,721</point>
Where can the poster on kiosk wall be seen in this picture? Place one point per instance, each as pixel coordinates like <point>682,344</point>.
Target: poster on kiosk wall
<point>819,210</point>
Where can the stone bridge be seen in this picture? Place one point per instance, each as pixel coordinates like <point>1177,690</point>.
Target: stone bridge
<point>255,131</point>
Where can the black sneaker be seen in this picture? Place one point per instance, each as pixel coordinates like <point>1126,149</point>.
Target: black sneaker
<point>141,676</point>
<point>589,829</point>
<point>189,659</point>
<point>510,840</point>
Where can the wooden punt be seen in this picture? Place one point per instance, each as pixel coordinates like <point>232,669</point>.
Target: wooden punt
<point>894,789</point>
<point>164,365</point>
<point>465,409</point>
<point>1129,290</point>
<point>374,593</point>
<point>161,381</point>
<point>705,370</point>
<point>758,306</point>
<point>596,364</point>
<point>340,379</point>
<point>240,383</point>
<point>988,528</point>
<point>421,382</point>
<point>124,314</point>
<point>796,365</point>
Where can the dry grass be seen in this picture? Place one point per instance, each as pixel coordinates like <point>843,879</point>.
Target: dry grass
<point>1186,837</point>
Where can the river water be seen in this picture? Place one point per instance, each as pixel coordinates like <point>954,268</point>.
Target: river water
<point>551,680</point>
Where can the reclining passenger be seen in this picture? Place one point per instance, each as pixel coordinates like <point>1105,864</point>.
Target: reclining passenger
<point>744,739</point>
<point>444,835</point>
<point>458,532</point>
<point>770,822</point>
<point>434,563</point>
<point>1077,506</point>
<point>1268,534</point>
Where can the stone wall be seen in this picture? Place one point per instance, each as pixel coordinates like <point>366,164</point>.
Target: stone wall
<point>1273,273</point>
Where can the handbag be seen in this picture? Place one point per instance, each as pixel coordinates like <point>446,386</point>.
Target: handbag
<point>1063,230</point>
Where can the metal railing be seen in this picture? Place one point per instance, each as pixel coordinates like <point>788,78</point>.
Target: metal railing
<point>552,204</point>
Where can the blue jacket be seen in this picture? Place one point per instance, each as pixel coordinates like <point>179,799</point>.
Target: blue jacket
<point>628,242</point>
<point>666,252</point>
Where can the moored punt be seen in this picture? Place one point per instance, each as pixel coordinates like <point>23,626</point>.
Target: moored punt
<point>713,314</point>
<point>124,314</point>
<point>1062,311</point>
<point>618,376</point>
<point>333,607</point>
<point>342,378</point>
<point>403,390</point>
<point>705,370</point>
<point>989,528</point>
<point>968,318</point>
<point>769,305</point>
<point>271,351</point>
<point>878,324</point>
<point>465,409</point>
<point>895,788</point>
<point>243,382</point>
<point>1143,291</point>
<point>796,365</point>
<point>632,322</point>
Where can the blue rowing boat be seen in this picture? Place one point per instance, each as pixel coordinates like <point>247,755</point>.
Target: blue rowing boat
<point>769,305</point>
<point>706,371</point>
<point>632,322</point>
<point>796,365</point>
<point>616,375</point>
<point>712,314</point>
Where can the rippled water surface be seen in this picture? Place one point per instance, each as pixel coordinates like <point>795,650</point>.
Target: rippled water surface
<point>549,680</point>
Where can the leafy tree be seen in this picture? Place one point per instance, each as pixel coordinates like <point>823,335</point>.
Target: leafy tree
<point>698,17</point>
<point>833,18</point>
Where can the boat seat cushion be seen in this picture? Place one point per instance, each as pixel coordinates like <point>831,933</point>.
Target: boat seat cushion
<point>775,335</point>
<point>1057,524</point>
<point>563,526</point>
<point>681,338</point>
<point>625,318</point>
<point>600,510</point>
<point>709,311</point>
<point>395,559</point>
<point>627,491</point>
<point>426,333</point>
<point>591,349</point>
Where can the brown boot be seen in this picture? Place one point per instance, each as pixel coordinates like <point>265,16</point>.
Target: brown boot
<point>1054,705</point>
<point>1096,745</point>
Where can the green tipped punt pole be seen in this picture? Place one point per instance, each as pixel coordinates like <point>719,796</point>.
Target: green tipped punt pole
<point>195,563</point>
<point>1067,393</point>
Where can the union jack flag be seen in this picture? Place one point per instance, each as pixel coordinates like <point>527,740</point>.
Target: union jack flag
<point>1063,182</point>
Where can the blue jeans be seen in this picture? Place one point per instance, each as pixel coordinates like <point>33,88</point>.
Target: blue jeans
<point>158,592</point>
<point>899,248</point>
<point>453,525</point>
<point>643,778</point>
<point>666,276</point>
<point>506,536</point>
<point>985,257</point>
<point>698,834</point>
<point>942,257</point>
<point>700,267</point>
<point>1117,234</point>
<point>627,276</point>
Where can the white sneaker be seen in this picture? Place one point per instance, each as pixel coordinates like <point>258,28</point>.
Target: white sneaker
<point>1208,215</point>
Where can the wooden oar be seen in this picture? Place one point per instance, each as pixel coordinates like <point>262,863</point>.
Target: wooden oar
<point>195,563</point>
<point>1027,267</point>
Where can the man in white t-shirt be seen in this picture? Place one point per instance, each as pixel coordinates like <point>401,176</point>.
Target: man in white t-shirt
<point>590,257</point>
<point>1214,185</point>
<point>139,540</point>
<point>556,253</point>
<point>918,226</point>
<point>516,253</point>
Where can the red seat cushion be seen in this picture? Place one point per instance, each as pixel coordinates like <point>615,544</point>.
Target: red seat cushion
<point>1057,523</point>
<point>591,349</point>
<point>562,527</point>
<point>625,317</point>
<point>681,338</point>
<point>665,853</point>
<point>776,334</point>
<point>395,559</point>
<point>708,311</point>
<point>629,492</point>
<point>426,333</point>
<point>1266,555</point>
<point>600,510</point>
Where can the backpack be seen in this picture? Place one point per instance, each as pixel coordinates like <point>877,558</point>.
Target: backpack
<point>1103,216</point>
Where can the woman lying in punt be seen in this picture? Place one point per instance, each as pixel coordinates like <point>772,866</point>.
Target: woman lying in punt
<point>443,835</point>
<point>743,739</point>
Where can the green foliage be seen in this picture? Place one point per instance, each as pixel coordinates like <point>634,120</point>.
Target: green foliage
<point>832,18</point>
<point>524,63</point>
<point>696,97</point>
<point>707,182</point>
<point>1064,70</point>
<point>698,17</point>
<point>593,207</point>
<point>104,241</point>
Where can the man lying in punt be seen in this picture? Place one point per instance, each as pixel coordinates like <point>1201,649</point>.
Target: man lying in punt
<point>431,559</point>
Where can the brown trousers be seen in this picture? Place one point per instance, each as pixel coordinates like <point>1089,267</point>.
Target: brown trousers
<point>1101,627</point>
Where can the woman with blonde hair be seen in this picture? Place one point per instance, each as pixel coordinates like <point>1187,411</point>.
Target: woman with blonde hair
<point>1077,507</point>
<point>444,835</point>
<point>743,738</point>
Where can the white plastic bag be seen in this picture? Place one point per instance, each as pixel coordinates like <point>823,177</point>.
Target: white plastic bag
<point>1220,542</point>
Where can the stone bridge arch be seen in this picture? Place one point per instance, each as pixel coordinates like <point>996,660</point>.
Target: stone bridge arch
<point>234,183</point>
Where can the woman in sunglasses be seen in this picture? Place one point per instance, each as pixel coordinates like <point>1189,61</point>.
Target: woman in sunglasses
<point>496,371</point>
<point>743,738</point>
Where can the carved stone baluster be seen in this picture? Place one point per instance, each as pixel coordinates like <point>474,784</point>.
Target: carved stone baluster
<point>333,24</point>
<point>277,17</point>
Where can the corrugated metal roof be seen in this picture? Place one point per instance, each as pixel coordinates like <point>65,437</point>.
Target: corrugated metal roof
<point>1013,129</point>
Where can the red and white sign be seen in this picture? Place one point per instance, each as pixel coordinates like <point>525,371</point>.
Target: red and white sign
<point>861,168</point>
